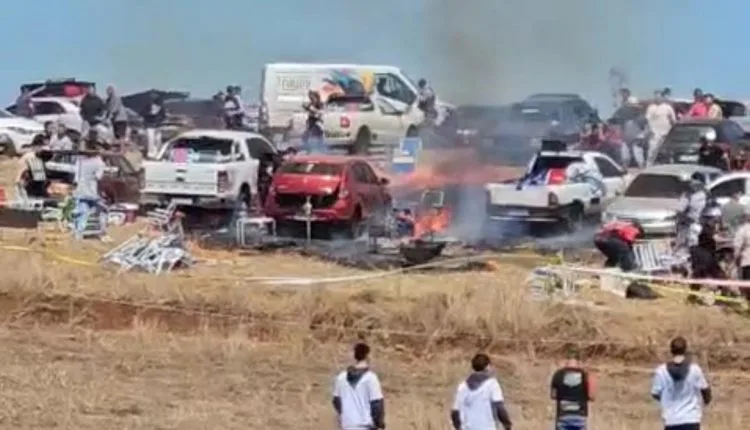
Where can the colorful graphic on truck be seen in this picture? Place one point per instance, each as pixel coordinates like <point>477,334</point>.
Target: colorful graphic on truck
<point>346,83</point>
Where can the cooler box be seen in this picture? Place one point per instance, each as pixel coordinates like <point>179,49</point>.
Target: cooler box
<point>411,146</point>
<point>402,165</point>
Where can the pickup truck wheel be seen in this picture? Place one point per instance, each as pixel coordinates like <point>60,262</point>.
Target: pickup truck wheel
<point>362,142</point>
<point>412,132</point>
<point>574,219</point>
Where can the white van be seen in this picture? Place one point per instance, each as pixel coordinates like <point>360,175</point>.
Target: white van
<point>284,88</point>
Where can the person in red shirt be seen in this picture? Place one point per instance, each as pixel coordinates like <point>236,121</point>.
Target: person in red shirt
<point>699,108</point>
<point>615,240</point>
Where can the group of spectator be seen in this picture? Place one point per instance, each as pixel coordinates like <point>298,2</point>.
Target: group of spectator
<point>99,116</point>
<point>637,129</point>
<point>679,386</point>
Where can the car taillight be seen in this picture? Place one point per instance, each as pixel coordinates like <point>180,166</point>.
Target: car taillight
<point>344,122</point>
<point>556,177</point>
<point>223,182</point>
<point>552,200</point>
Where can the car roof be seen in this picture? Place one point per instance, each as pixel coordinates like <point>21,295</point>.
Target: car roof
<point>679,169</point>
<point>328,159</point>
<point>221,134</point>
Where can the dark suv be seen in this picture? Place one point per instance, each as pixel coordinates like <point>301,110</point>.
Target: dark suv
<point>683,141</point>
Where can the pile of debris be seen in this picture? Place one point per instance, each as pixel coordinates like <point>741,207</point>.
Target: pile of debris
<point>158,249</point>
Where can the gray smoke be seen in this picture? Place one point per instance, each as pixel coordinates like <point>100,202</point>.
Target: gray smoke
<point>488,51</point>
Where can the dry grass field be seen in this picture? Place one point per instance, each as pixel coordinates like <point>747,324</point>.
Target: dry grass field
<point>209,348</point>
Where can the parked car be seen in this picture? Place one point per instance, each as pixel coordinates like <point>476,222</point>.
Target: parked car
<point>652,197</point>
<point>554,197</point>
<point>68,88</point>
<point>344,191</point>
<point>682,143</point>
<point>121,182</point>
<point>213,169</point>
<point>17,133</point>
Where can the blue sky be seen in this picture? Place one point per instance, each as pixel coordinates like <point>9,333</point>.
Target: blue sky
<point>471,50</point>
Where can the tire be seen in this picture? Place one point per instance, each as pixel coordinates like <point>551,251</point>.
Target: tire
<point>10,150</point>
<point>354,228</point>
<point>574,218</point>
<point>412,132</point>
<point>362,143</point>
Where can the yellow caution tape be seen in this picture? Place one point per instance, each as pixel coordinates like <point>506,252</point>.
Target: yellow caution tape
<point>51,254</point>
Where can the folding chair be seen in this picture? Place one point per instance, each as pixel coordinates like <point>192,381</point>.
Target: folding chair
<point>654,256</point>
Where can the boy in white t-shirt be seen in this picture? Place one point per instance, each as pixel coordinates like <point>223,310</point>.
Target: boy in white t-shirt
<point>357,396</point>
<point>681,389</point>
<point>479,400</point>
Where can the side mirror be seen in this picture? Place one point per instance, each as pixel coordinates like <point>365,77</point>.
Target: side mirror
<point>384,181</point>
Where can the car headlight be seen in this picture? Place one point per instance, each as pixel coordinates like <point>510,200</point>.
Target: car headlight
<point>21,130</point>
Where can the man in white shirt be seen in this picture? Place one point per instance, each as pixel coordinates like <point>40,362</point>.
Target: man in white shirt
<point>660,116</point>
<point>479,400</point>
<point>681,389</point>
<point>357,396</point>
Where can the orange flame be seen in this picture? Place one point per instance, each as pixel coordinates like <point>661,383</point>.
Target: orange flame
<point>434,220</point>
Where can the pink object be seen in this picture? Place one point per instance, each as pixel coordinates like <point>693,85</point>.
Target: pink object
<point>180,155</point>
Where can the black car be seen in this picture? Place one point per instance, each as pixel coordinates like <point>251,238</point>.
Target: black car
<point>683,141</point>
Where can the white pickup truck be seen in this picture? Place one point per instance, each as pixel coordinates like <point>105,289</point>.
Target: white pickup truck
<point>554,189</point>
<point>359,123</point>
<point>212,169</point>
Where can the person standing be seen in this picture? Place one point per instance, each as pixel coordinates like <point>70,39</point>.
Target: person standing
<point>153,115</point>
<point>571,388</point>
<point>660,116</point>
<point>24,106</point>
<point>32,176</point>
<point>710,154</point>
<point>426,100</point>
<point>312,139</point>
<point>698,109</point>
<point>357,395</point>
<point>714,110</point>
<point>117,115</point>
<point>93,112</point>
<point>89,170</point>
<point>681,389</point>
<point>689,212</point>
<point>479,402</point>
<point>742,245</point>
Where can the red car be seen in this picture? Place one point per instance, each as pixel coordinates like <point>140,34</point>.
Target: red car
<point>342,190</point>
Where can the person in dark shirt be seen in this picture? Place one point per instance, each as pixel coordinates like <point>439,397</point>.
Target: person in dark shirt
<point>710,154</point>
<point>312,139</point>
<point>93,108</point>
<point>153,115</point>
<point>571,389</point>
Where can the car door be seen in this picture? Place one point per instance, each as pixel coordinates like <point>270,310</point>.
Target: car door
<point>388,121</point>
<point>362,187</point>
<point>613,176</point>
<point>377,193</point>
<point>723,188</point>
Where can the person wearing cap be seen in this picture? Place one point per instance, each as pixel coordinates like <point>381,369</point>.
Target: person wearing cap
<point>691,206</point>
<point>710,154</point>
<point>32,175</point>
<point>479,403</point>
<point>681,388</point>
<point>615,240</point>
<point>698,109</point>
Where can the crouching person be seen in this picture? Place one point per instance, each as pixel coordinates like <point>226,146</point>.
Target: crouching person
<point>615,240</point>
<point>32,176</point>
<point>89,170</point>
